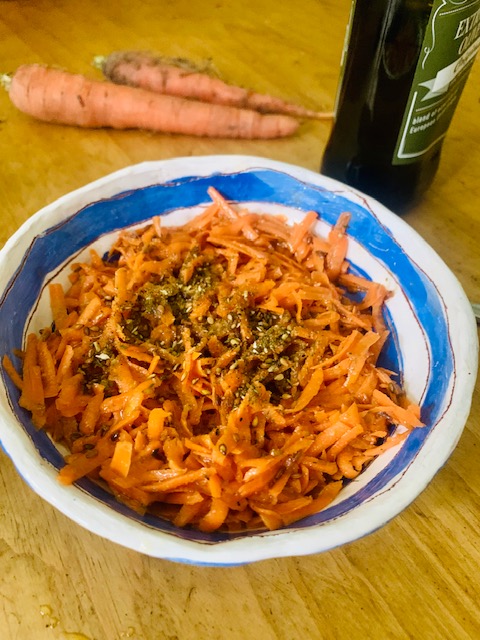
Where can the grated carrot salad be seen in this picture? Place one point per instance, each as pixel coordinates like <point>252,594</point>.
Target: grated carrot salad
<point>217,374</point>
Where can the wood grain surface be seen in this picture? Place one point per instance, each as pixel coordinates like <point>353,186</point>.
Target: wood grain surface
<point>417,577</point>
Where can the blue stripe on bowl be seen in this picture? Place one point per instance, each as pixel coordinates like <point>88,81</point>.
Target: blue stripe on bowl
<point>56,245</point>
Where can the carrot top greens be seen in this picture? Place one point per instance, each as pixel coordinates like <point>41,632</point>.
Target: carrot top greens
<point>218,374</point>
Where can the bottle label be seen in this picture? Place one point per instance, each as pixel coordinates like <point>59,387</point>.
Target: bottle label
<point>450,44</point>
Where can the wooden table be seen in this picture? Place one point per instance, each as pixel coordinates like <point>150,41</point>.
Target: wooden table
<point>417,577</point>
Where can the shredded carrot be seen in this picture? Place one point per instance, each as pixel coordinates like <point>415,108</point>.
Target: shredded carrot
<point>235,386</point>
<point>12,372</point>
<point>122,457</point>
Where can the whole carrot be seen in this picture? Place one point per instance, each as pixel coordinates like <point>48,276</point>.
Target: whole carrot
<point>180,78</point>
<point>57,96</point>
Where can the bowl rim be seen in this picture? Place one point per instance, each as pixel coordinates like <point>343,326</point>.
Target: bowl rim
<point>78,505</point>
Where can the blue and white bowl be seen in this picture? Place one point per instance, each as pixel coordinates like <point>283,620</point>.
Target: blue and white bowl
<point>433,343</point>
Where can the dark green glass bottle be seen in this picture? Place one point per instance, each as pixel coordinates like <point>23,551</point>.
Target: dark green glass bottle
<point>404,67</point>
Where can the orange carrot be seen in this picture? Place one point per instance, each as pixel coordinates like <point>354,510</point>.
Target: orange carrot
<point>338,247</point>
<point>91,414</point>
<point>122,458</point>
<point>47,366</point>
<point>156,422</point>
<point>53,95</point>
<point>236,387</point>
<point>12,372</point>
<point>32,397</point>
<point>81,464</point>
<point>179,77</point>
<point>57,304</point>
<point>214,519</point>
<point>309,392</point>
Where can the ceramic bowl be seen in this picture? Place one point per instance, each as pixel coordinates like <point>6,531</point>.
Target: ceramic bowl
<point>433,344</point>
